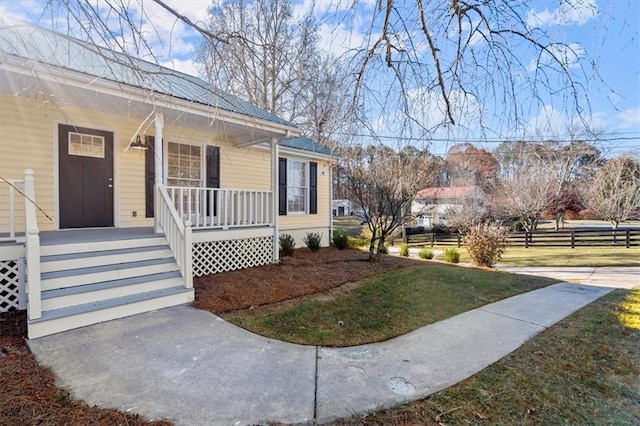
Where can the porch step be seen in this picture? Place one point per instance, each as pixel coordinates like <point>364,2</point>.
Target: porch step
<point>91,282</point>
<point>58,320</point>
<point>78,295</point>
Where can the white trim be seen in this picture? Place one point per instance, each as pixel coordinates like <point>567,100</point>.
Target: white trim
<point>232,234</point>
<point>203,154</point>
<point>297,152</point>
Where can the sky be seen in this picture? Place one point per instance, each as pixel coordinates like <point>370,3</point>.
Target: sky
<point>603,36</point>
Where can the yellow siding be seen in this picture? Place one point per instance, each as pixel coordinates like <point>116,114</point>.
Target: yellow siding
<point>28,129</point>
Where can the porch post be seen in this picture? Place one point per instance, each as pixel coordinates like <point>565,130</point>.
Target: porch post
<point>276,201</point>
<point>157,150</point>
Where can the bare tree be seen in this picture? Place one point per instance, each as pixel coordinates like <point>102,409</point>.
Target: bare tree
<point>462,217</point>
<point>615,193</point>
<point>273,61</point>
<point>384,183</point>
<point>525,194</point>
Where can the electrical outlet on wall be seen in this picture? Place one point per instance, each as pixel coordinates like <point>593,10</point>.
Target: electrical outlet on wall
<point>134,214</point>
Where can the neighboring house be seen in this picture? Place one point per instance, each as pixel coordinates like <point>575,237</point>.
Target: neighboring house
<point>341,207</point>
<point>142,178</point>
<point>430,204</point>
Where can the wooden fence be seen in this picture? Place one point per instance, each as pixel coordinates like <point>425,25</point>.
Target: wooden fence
<point>564,238</point>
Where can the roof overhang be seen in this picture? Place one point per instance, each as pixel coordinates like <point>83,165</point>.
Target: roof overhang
<point>243,129</point>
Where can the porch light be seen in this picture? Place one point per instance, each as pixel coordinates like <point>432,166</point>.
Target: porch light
<point>138,144</point>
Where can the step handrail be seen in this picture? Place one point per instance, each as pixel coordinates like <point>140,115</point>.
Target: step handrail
<point>177,232</point>
<point>32,248</point>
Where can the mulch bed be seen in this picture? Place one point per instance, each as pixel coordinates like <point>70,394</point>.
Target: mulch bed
<point>304,273</point>
<point>30,396</point>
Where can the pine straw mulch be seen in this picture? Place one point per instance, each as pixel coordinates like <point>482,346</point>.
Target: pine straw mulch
<point>30,396</point>
<point>306,274</point>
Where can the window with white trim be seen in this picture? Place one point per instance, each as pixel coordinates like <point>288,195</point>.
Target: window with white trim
<point>184,164</point>
<point>297,186</point>
<point>86,145</point>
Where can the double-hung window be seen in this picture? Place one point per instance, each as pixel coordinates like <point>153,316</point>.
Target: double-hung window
<point>297,186</point>
<point>184,164</point>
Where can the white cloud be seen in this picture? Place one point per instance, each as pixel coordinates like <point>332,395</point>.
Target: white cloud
<point>338,39</point>
<point>569,56</point>
<point>569,12</point>
<point>629,118</point>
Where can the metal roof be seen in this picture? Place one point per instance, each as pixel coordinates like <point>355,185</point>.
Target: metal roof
<point>52,48</point>
<point>306,144</point>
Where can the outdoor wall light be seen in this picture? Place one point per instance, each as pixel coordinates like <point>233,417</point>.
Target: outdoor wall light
<point>138,144</point>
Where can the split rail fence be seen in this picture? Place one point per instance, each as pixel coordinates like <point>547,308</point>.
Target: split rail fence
<point>627,237</point>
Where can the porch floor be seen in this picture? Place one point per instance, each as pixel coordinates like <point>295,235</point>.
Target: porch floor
<point>69,236</point>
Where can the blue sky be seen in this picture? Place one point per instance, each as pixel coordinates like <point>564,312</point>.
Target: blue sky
<point>603,34</point>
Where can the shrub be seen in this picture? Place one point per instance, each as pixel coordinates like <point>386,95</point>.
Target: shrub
<point>358,242</point>
<point>517,226</point>
<point>313,240</point>
<point>588,214</point>
<point>404,250</point>
<point>452,255</point>
<point>571,215</point>
<point>340,240</point>
<point>425,254</point>
<point>486,243</point>
<point>287,244</point>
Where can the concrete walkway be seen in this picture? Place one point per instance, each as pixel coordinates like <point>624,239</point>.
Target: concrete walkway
<point>194,368</point>
<point>618,277</point>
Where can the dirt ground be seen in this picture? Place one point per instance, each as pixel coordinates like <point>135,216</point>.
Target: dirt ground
<point>29,394</point>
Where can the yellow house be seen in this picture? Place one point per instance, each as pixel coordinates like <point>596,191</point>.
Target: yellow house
<point>120,180</point>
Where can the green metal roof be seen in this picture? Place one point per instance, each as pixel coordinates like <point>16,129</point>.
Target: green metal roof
<point>59,50</point>
<point>306,144</point>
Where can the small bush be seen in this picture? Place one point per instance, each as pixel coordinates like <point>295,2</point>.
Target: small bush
<point>425,254</point>
<point>452,255</point>
<point>486,243</point>
<point>517,226</point>
<point>358,242</point>
<point>404,250</point>
<point>340,240</point>
<point>287,245</point>
<point>313,240</point>
<point>588,214</point>
<point>571,215</point>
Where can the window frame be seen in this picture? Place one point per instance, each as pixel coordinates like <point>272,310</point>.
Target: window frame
<point>306,186</point>
<point>202,165</point>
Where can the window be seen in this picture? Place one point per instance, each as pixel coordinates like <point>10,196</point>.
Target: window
<point>296,186</point>
<point>184,165</point>
<point>86,145</point>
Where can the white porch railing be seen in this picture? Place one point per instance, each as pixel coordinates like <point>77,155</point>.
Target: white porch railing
<point>208,208</point>
<point>32,247</point>
<point>14,186</point>
<point>177,232</point>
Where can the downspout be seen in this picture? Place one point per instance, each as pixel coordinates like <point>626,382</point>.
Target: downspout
<point>157,151</point>
<point>330,204</point>
<point>276,201</point>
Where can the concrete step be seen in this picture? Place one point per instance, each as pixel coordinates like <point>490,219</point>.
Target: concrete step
<point>72,261</point>
<point>63,319</point>
<point>79,295</point>
<point>96,274</point>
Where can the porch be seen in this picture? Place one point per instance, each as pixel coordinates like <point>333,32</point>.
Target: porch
<point>76,277</point>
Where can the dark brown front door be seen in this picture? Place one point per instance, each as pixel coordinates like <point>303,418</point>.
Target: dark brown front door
<point>86,177</point>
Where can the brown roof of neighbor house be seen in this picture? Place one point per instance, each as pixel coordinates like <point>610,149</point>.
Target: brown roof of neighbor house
<point>447,192</point>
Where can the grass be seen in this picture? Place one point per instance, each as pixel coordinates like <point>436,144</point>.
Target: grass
<point>585,370</point>
<point>566,256</point>
<point>389,305</point>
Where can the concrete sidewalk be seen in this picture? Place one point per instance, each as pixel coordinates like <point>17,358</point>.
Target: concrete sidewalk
<point>614,276</point>
<point>194,368</point>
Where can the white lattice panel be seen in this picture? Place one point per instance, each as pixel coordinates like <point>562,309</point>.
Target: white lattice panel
<point>212,257</point>
<point>9,285</point>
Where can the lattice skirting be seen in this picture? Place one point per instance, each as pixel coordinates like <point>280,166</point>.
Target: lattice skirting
<point>9,285</point>
<point>213,257</point>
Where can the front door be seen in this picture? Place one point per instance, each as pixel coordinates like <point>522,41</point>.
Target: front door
<point>85,177</point>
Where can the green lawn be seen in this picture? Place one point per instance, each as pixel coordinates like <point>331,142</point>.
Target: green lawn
<point>566,256</point>
<point>390,305</point>
<point>585,370</point>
